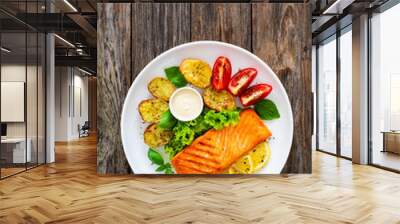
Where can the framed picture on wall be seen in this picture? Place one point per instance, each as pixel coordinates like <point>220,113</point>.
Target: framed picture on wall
<point>12,101</point>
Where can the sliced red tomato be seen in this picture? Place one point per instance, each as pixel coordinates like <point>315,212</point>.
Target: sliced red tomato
<point>254,94</point>
<point>241,80</point>
<point>221,73</point>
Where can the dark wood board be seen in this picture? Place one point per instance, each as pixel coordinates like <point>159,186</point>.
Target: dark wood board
<point>156,28</point>
<point>280,34</point>
<point>228,22</point>
<point>113,82</point>
<point>282,38</point>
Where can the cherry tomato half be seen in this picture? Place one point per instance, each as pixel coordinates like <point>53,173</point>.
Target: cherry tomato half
<point>254,94</point>
<point>221,73</point>
<point>241,80</point>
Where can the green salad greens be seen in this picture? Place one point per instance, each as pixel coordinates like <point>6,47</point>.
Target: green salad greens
<point>186,132</point>
<point>219,120</point>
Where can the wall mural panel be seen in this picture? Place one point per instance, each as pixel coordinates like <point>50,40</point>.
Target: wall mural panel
<point>146,38</point>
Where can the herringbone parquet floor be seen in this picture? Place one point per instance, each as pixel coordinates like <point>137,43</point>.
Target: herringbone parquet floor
<point>70,191</point>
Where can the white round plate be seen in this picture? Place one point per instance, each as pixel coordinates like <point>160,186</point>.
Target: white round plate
<point>132,125</point>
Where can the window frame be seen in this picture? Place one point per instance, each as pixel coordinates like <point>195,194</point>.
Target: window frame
<point>27,29</point>
<point>381,9</point>
<point>336,36</point>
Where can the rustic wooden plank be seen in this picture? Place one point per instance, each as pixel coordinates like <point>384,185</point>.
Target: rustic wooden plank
<point>142,34</point>
<point>114,73</point>
<point>282,38</point>
<point>228,22</point>
<point>156,28</point>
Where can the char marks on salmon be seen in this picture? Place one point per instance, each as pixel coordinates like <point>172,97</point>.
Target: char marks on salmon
<point>217,150</point>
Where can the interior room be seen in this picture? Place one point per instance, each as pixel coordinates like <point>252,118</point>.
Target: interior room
<point>72,104</point>
<point>74,74</point>
<point>22,102</point>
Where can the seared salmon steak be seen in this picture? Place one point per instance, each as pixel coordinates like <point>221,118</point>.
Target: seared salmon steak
<point>216,150</point>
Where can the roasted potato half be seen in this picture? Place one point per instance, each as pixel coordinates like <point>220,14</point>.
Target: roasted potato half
<point>156,137</point>
<point>161,88</point>
<point>152,109</point>
<point>196,72</point>
<point>218,101</point>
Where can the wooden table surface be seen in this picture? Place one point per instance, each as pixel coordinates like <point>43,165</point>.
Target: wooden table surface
<point>130,35</point>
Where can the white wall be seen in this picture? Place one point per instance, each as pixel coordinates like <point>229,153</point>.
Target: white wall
<point>70,83</point>
<point>62,81</point>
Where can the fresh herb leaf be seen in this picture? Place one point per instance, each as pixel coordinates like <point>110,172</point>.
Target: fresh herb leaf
<point>175,76</point>
<point>161,168</point>
<point>267,110</point>
<point>155,157</point>
<point>167,120</point>
<point>169,171</point>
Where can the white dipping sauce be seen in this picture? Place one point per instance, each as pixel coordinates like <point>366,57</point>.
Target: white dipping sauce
<point>186,104</point>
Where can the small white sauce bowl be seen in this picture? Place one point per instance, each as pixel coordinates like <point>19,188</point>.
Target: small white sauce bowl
<point>197,101</point>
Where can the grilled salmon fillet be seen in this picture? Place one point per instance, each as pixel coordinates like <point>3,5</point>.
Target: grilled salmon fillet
<point>217,150</point>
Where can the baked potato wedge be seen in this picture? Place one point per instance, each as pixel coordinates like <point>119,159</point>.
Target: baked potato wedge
<point>152,109</point>
<point>156,137</point>
<point>196,72</point>
<point>218,101</point>
<point>161,88</point>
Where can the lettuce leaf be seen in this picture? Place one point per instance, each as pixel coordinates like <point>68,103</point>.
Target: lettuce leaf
<point>186,132</point>
<point>219,120</point>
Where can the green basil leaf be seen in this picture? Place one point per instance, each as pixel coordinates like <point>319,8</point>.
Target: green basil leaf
<point>155,157</point>
<point>167,166</point>
<point>161,168</point>
<point>267,110</point>
<point>175,76</point>
<point>167,121</point>
<point>169,171</point>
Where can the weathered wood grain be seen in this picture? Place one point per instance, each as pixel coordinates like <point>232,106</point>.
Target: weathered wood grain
<point>114,79</point>
<point>228,22</point>
<point>282,38</point>
<point>142,37</point>
<point>156,28</point>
